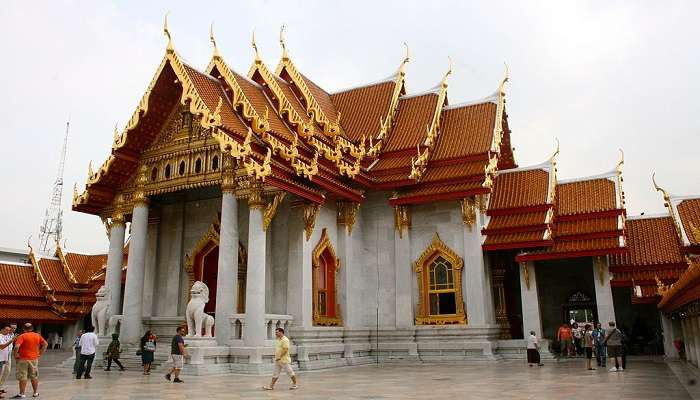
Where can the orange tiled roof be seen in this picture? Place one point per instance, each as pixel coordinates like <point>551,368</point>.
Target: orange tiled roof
<point>454,191</point>
<point>362,108</point>
<point>22,314</point>
<point>414,115</point>
<point>84,266</point>
<point>322,98</point>
<point>465,131</point>
<point>257,98</point>
<point>650,241</point>
<point>586,196</point>
<point>535,237</point>
<point>18,281</point>
<point>686,290</point>
<point>455,171</point>
<point>585,226</point>
<point>689,214</point>
<point>511,221</point>
<point>519,189</point>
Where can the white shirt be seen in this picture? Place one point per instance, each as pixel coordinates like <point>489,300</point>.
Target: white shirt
<point>5,353</point>
<point>88,343</point>
<point>532,342</point>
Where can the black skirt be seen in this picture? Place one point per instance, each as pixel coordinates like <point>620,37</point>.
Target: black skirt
<point>533,356</point>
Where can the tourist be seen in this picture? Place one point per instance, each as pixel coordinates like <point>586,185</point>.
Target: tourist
<point>282,361</point>
<point>533,350</point>
<point>148,350</point>
<point>88,347</point>
<point>113,351</point>
<point>7,339</point>
<point>598,346</point>
<point>564,338</point>
<point>178,352</point>
<point>76,350</point>
<point>577,334</point>
<point>588,345</point>
<point>28,349</point>
<point>613,341</point>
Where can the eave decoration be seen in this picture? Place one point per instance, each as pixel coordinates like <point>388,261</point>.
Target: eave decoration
<point>438,248</point>
<point>325,245</point>
<point>310,213</point>
<point>402,219</point>
<point>347,214</point>
<point>495,151</point>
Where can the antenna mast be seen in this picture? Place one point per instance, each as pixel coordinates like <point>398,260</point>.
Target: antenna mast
<point>52,226</point>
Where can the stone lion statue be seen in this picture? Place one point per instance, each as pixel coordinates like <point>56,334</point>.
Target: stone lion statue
<point>196,317</point>
<point>101,310</point>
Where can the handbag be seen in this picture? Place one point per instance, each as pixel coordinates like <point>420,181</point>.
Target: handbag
<point>149,346</point>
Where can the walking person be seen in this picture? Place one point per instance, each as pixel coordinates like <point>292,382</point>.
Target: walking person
<point>88,347</point>
<point>588,346</point>
<point>178,352</point>
<point>282,361</point>
<point>564,338</point>
<point>577,334</point>
<point>7,367</point>
<point>28,349</point>
<point>598,346</point>
<point>76,350</point>
<point>613,341</point>
<point>533,350</point>
<point>148,350</point>
<point>113,351</point>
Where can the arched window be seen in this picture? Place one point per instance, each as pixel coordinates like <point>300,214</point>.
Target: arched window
<point>439,272</point>
<point>154,173</point>
<point>181,169</point>
<point>198,166</point>
<point>215,163</point>
<point>326,311</point>
<point>167,171</point>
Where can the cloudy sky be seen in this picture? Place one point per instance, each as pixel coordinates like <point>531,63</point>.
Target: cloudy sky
<point>596,75</point>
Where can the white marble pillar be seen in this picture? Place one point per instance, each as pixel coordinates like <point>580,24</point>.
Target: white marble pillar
<point>255,332</point>
<point>350,294</point>
<point>149,277</point>
<point>530,300</point>
<point>686,338</point>
<point>696,338</point>
<point>115,260</point>
<point>133,291</point>
<point>299,272</point>
<point>227,273</point>
<point>476,288</point>
<point>603,291</point>
<point>403,267</point>
<point>669,336</point>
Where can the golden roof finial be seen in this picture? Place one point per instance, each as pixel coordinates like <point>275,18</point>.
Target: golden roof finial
<point>116,133</point>
<point>170,47</point>
<point>90,171</point>
<point>505,79</point>
<point>213,41</point>
<point>448,73</point>
<point>556,151</point>
<point>402,67</point>
<point>621,162</point>
<point>255,47</point>
<point>29,244</point>
<point>285,54</point>
<point>667,196</point>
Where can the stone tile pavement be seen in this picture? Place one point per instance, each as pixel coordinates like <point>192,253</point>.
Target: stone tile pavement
<point>499,380</point>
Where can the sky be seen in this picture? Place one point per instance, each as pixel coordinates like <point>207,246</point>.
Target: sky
<point>597,75</point>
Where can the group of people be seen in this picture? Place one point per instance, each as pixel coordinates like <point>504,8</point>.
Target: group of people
<point>26,348</point>
<point>587,340</point>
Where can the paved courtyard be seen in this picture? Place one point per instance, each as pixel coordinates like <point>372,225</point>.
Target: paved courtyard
<point>503,380</point>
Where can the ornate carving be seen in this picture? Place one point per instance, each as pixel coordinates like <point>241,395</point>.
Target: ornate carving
<point>526,274</point>
<point>139,197</point>
<point>255,200</point>
<point>469,206</point>
<point>600,265</point>
<point>402,219</point>
<point>498,274</point>
<point>669,205</point>
<point>310,213</point>
<point>661,289</point>
<point>228,175</point>
<point>324,244</point>
<point>271,209</point>
<point>347,213</point>
<point>438,248</point>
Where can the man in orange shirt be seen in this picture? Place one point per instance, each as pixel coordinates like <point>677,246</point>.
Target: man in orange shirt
<point>564,337</point>
<point>29,347</point>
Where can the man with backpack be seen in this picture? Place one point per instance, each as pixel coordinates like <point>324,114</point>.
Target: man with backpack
<point>613,341</point>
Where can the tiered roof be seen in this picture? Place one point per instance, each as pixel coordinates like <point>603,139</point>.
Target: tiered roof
<point>54,289</point>
<point>684,292</point>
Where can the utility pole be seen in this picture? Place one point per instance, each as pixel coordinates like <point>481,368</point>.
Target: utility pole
<point>52,226</point>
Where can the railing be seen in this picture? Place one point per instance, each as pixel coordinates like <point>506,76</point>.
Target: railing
<point>272,322</point>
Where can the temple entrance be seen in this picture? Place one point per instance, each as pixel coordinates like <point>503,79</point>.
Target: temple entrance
<point>579,308</point>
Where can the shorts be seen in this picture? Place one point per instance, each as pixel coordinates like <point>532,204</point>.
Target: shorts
<point>27,369</point>
<point>279,367</point>
<point>178,361</point>
<point>589,352</point>
<point>615,351</point>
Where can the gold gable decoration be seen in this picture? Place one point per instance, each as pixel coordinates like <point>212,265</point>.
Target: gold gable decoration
<point>438,248</point>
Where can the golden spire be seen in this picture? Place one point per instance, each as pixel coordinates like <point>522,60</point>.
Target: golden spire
<point>556,152</point>
<point>285,54</point>
<point>447,74</point>
<point>621,162</point>
<point>255,47</point>
<point>505,79</point>
<point>213,41</point>
<point>116,133</point>
<point>402,67</point>
<point>170,47</point>
<point>667,196</point>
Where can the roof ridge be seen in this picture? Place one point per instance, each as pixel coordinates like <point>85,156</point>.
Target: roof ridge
<point>493,98</point>
<point>433,90</point>
<point>648,216</point>
<point>545,166</point>
<point>685,197</point>
<point>389,79</point>
<point>15,263</point>
<point>605,175</point>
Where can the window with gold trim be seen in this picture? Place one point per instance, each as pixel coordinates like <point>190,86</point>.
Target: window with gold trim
<point>326,311</point>
<point>439,272</point>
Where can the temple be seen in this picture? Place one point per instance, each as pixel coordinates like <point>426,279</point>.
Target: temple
<point>369,222</point>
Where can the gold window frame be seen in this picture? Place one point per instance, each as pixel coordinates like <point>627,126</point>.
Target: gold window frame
<point>438,248</point>
<point>324,244</point>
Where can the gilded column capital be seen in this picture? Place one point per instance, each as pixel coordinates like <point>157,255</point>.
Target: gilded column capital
<point>139,198</point>
<point>402,219</point>
<point>469,206</point>
<point>347,213</point>
<point>117,219</point>
<point>271,209</point>
<point>255,198</point>
<point>310,213</point>
<point>228,174</point>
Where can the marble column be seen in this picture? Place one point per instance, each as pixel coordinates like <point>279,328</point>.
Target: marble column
<point>227,273</point>
<point>133,291</point>
<point>696,338</point>
<point>476,285</point>
<point>686,339</point>
<point>669,336</point>
<point>405,318</point>
<point>690,339</point>
<point>530,300</point>
<point>255,332</point>
<point>349,292</point>
<point>115,259</point>
<point>149,278</point>
<point>299,272</point>
<point>603,291</point>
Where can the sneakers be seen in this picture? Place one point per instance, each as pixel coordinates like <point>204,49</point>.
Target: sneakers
<point>613,369</point>
<point>178,380</point>
<point>268,387</point>
<point>35,394</point>
<point>293,387</point>
<point>167,376</point>
<point>18,396</point>
<point>620,369</point>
